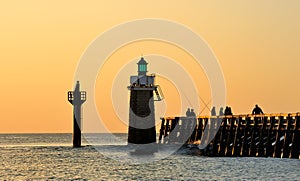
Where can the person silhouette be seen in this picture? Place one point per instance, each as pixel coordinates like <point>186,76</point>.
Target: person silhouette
<point>221,113</point>
<point>228,111</point>
<point>257,110</point>
<point>213,111</point>
<point>188,113</point>
<point>193,114</point>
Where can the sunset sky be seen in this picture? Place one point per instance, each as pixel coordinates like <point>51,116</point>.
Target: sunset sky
<point>257,44</point>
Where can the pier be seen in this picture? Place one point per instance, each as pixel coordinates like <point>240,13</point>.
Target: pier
<point>266,135</point>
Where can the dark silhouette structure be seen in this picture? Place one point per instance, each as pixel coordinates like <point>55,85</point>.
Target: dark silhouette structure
<point>274,135</point>
<point>141,113</point>
<point>213,111</point>
<point>193,114</point>
<point>227,111</point>
<point>257,110</point>
<point>188,112</point>
<point>77,98</point>
<point>221,113</point>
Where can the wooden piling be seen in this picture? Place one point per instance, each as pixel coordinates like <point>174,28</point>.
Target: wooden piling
<point>277,148</point>
<point>230,136</point>
<point>161,131</point>
<point>270,136</point>
<point>237,138</point>
<point>262,137</point>
<point>287,137</point>
<point>295,149</point>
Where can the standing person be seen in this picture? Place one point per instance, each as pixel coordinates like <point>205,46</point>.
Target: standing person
<point>188,113</point>
<point>213,111</point>
<point>257,110</point>
<point>228,111</point>
<point>221,113</point>
<point>193,114</point>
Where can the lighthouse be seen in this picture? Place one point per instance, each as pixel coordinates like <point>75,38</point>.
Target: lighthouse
<point>77,98</point>
<point>143,93</point>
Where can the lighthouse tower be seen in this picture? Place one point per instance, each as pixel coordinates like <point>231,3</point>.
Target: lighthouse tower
<point>141,112</point>
<point>77,98</point>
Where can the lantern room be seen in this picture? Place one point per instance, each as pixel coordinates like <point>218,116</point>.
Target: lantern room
<point>142,66</point>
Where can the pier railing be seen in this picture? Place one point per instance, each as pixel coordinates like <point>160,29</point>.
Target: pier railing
<point>266,135</point>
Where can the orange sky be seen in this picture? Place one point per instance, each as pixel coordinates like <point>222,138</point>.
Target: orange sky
<point>257,44</point>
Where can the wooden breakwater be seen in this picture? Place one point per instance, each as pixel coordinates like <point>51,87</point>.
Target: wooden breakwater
<point>268,135</point>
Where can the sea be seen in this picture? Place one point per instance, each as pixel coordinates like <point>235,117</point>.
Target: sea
<point>52,157</point>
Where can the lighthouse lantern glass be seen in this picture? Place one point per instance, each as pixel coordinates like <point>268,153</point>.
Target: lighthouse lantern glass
<point>142,68</point>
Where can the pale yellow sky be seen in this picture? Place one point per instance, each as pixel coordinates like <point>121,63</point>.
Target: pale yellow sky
<point>256,42</point>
